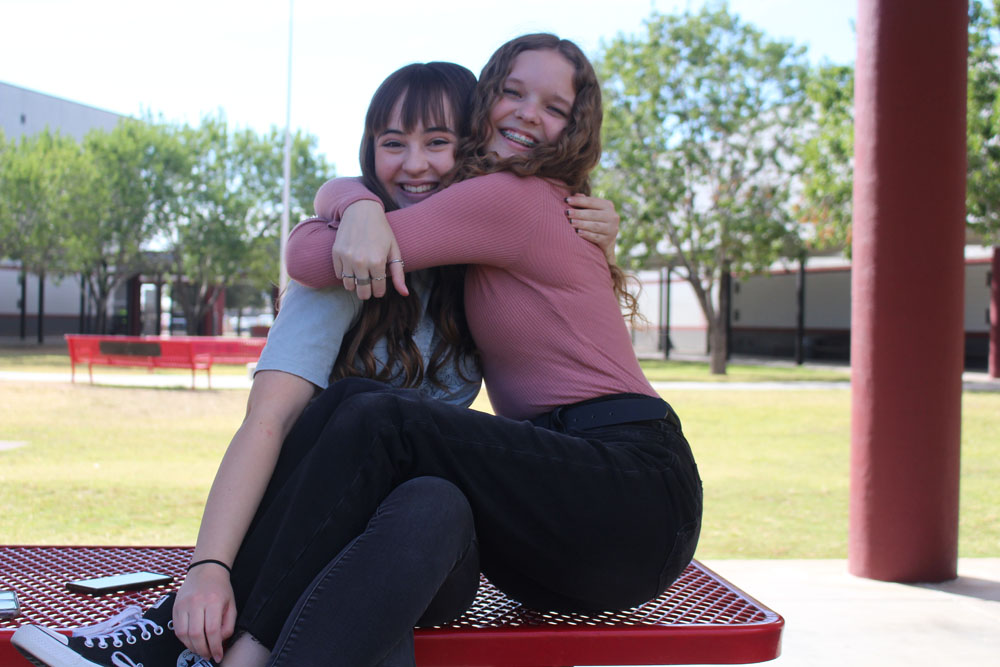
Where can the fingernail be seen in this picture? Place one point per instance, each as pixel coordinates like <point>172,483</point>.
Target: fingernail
<point>566,199</point>
<point>568,213</point>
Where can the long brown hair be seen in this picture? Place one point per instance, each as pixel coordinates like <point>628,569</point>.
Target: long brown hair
<point>432,93</point>
<point>570,158</point>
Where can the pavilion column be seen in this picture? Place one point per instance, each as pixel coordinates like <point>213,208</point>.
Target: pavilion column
<point>907,289</point>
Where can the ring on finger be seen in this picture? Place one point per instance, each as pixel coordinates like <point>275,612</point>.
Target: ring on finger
<point>378,277</point>
<point>348,275</point>
<point>363,281</point>
<point>396,261</point>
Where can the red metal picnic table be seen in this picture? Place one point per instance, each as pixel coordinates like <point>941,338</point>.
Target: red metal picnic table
<point>701,618</point>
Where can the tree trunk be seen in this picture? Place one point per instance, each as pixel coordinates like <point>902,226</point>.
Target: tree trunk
<point>41,307</point>
<point>101,314</point>
<point>717,343</point>
<point>719,326</point>
<point>22,303</point>
<point>994,353</point>
<point>800,312</point>
<point>82,326</point>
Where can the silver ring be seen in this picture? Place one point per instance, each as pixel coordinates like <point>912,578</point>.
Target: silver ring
<point>349,275</point>
<point>363,281</point>
<point>395,261</point>
<point>378,277</point>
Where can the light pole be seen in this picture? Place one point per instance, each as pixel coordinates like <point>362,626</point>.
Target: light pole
<point>286,194</point>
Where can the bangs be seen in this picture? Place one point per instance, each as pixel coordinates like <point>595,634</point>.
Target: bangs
<point>417,104</point>
<point>425,104</point>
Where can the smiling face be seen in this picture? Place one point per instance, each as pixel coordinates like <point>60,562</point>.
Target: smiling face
<point>410,165</point>
<point>534,105</point>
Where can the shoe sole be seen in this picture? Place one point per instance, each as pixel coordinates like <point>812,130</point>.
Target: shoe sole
<point>43,650</point>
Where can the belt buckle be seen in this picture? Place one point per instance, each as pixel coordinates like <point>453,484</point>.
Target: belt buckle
<point>556,421</point>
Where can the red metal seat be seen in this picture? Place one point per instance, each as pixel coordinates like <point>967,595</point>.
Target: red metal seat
<point>702,618</point>
<point>194,352</point>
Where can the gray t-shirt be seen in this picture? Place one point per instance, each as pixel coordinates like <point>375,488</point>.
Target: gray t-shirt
<point>310,327</point>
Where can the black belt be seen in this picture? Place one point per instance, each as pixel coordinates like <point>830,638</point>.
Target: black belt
<point>606,411</point>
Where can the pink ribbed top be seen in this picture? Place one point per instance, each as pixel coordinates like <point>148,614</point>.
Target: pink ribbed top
<point>538,298</point>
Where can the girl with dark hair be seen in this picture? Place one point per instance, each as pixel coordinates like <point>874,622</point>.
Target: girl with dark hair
<point>414,124</point>
<point>583,490</point>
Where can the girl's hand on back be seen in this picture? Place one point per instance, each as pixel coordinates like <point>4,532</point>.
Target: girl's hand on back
<point>595,220</point>
<point>205,611</point>
<point>366,251</point>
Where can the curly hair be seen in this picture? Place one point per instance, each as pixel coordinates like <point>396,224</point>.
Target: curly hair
<point>435,94</point>
<point>569,159</point>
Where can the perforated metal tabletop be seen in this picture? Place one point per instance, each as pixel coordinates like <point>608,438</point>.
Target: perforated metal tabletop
<point>702,618</point>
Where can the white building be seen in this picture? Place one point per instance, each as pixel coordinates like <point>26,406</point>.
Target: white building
<point>764,312</point>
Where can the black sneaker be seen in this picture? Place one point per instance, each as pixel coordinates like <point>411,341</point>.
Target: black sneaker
<point>126,640</point>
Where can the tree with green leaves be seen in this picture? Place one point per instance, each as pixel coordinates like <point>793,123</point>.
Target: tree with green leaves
<point>137,165</point>
<point>827,158</point>
<point>983,127</point>
<point>226,217</point>
<point>983,121</point>
<point>43,178</point>
<point>827,155</point>
<point>701,114</point>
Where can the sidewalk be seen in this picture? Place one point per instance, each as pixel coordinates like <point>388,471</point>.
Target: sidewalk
<point>835,619</point>
<point>111,379</point>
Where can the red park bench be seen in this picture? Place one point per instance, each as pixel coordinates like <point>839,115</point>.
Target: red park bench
<point>194,352</point>
<point>701,619</point>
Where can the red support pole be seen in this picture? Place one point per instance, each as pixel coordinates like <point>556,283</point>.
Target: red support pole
<point>907,286</point>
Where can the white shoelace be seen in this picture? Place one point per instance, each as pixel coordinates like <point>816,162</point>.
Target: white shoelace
<point>126,616</point>
<point>143,626</point>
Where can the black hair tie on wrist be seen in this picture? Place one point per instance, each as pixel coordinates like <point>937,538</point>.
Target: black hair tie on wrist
<point>210,560</point>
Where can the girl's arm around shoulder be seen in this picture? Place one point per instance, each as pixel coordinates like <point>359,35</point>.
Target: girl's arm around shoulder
<point>484,220</point>
<point>489,219</point>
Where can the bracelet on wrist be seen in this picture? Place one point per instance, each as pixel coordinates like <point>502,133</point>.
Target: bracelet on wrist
<point>210,560</point>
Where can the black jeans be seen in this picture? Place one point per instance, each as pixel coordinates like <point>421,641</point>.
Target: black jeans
<point>604,518</point>
<point>362,607</point>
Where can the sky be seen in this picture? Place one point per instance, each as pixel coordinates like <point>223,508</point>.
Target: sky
<point>187,58</point>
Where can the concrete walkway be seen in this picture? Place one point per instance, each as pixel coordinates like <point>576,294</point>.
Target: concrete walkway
<point>835,619</point>
<point>154,379</point>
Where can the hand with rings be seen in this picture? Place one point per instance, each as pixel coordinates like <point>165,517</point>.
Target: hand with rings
<point>365,252</point>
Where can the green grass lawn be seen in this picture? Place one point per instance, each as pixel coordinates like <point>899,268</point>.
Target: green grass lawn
<point>109,465</point>
<point>697,371</point>
<point>55,359</point>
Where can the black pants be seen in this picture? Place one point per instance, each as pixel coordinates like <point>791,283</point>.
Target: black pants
<point>361,609</point>
<point>604,518</point>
